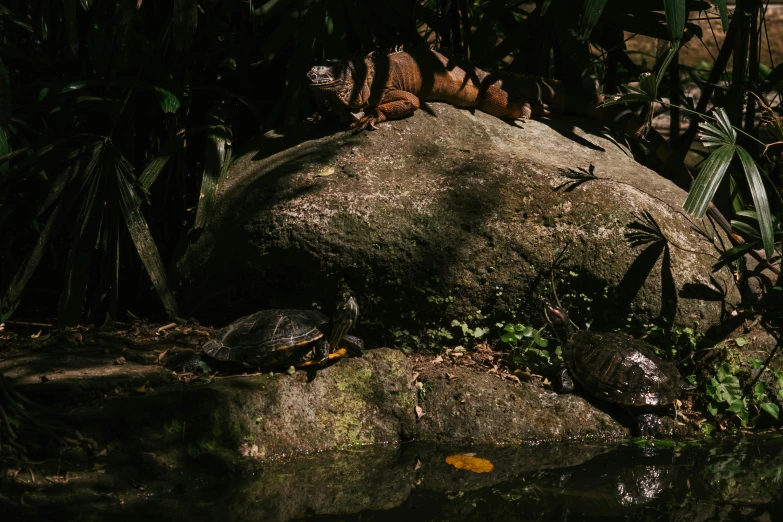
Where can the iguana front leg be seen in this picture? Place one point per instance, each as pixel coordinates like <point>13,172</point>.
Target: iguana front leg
<point>395,104</point>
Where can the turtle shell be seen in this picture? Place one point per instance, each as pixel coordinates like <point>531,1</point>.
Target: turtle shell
<point>622,370</point>
<point>268,336</point>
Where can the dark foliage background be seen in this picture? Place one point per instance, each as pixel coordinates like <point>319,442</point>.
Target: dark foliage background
<point>118,118</point>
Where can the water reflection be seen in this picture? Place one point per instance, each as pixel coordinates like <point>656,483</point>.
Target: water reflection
<point>738,481</point>
<point>564,483</point>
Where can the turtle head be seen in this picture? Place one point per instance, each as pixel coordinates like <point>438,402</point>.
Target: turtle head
<point>343,83</point>
<point>560,321</point>
<point>345,316</point>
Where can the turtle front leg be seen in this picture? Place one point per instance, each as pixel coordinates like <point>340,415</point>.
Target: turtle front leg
<point>322,351</point>
<point>563,382</point>
<point>647,424</point>
<point>354,345</point>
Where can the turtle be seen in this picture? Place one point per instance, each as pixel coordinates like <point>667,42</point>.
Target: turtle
<point>618,369</point>
<point>278,337</point>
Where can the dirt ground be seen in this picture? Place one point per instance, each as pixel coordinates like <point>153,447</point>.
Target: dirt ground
<point>702,52</point>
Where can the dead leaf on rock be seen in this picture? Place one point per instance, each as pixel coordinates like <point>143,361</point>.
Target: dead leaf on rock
<point>470,463</point>
<point>58,480</point>
<point>166,327</point>
<point>419,412</point>
<point>415,376</point>
<point>417,467</point>
<point>119,361</point>
<point>36,335</point>
<point>161,355</point>
<point>450,376</point>
<point>437,359</point>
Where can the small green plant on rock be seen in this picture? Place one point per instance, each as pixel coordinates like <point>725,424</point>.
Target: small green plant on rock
<point>529,348</point>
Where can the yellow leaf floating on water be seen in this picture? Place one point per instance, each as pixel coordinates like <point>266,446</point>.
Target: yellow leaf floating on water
<point>470,463</point>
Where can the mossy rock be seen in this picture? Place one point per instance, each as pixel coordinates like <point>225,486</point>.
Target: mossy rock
<point>453,215</point>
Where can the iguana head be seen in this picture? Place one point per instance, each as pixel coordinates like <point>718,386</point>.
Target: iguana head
<point>346,82</point>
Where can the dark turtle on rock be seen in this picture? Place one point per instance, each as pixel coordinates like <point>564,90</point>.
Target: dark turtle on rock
<point>285,337</point>
<point>617,368</point>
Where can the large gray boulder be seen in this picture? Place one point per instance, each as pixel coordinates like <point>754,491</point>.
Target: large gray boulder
<point>453,216</point>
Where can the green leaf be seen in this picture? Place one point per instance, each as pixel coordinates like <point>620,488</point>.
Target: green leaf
<point>760,201</point>
<point>747,231</point>
<point>724,13</point>
<point>480,332</point>
<point>71,29</point>
<point>169,101</point>
<point>6,13</point>
<point>25,271</point>
<point>141,236</point>
<point>771,408</point>
<point>675,19</point>
<point>741,341</point>
<point>3,152</point>
<point>114,244</point>
<point>185,22</point>
<point>216,161</point>
<point>5,101</point>
<point>591,12</point>
<point>151,172</point>
<point>736,406</point>
<point>631,97</point>
<point>731,255</point>
<point>509,327</point>
<point>712,409</point>
<point>708,180</point>
<point>774,77</point>
<point>728,389</point>
<point>675,48</point>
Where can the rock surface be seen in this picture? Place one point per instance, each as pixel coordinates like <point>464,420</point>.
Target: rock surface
<point>352,403</point>
<point>463,406</point>
<point>453,216</point>
<point>358,402</point>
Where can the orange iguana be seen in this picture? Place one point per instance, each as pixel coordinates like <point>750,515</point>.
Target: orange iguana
<point>393,86</point>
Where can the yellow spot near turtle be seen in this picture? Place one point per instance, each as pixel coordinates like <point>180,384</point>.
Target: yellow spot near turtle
<point>470,463</point>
